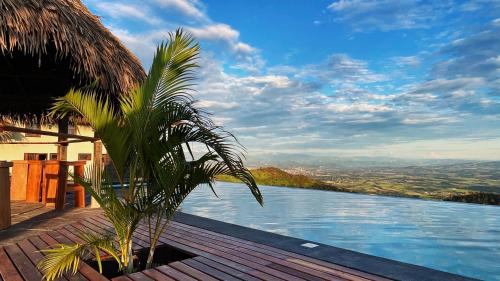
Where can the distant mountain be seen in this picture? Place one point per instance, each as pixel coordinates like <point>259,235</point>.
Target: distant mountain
<point>286,160</point>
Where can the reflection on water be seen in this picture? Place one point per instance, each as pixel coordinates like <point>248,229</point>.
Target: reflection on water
<point>454,237</point>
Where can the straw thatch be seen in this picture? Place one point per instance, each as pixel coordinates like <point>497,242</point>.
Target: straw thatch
<point>62,38</point>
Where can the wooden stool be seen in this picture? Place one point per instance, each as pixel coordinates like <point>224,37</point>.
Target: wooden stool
<point>5,219</point>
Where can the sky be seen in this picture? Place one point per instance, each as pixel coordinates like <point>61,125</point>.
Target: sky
<point>346,78</point>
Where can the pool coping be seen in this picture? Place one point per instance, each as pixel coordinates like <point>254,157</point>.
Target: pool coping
<point>363,262</point>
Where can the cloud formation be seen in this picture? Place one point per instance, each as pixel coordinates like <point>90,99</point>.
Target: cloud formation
<point>397,102</point>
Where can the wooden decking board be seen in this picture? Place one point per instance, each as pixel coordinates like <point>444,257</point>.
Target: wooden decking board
<point>210,270</point>
<point>217,257</point>
<point>121,278</point>
<point>101,223</point>
<point>176,274</point>
<point>8,270</point>
<point>191,271</point>
<point>40,245</point>
<point>226,269</point>
<point>243,264</point>
<point>24,266</point>
<point>255,247</point>
<point>260,256</point>
<point>267,253</point>
<point>33,254</point>
<point>85,269</point>
<point>342,271</point>
<point>139,276</point>
<point>303,260</point>
<point>236,255</point>
<point>156,275</point>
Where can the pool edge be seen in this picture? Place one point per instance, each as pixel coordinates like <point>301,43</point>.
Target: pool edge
<point>372,264</point>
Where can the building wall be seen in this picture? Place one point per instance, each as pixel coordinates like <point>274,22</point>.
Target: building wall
<point>11,152</point>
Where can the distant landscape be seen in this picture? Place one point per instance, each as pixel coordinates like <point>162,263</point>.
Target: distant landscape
<point>474,182</point>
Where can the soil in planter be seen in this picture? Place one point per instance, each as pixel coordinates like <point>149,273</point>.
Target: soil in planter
<point>163,255</point>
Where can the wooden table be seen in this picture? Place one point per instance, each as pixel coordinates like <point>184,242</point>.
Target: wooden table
<point>4,194</point>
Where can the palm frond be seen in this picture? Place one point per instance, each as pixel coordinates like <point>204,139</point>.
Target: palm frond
<point>61,258</point>
<point>103,118</point>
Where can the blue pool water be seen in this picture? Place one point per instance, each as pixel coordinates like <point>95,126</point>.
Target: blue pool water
<point>453,237</point>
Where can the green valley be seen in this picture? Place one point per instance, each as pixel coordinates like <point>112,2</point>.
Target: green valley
<point>465,182</point>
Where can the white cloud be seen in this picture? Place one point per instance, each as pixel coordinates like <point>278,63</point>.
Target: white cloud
<point>388,14</point>
<point>189,8</point>
<point>219,31</point>
<point>216,104</point>
<point>358,107</point>
<point>127,11</point>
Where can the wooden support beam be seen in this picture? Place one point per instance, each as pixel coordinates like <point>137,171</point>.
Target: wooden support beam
<point>42,132</point>
<point>97,165</point>
<point>46,142</point>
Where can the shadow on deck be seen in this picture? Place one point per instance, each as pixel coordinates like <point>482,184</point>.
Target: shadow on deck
<point>29,219</point>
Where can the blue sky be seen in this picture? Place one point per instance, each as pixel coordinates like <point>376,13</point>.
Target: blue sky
<point>406,79</point>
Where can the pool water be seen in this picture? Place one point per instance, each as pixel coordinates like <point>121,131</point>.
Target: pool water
<point>454,237</point>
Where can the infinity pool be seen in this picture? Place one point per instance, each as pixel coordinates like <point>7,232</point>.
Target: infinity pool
<point>453,237</point>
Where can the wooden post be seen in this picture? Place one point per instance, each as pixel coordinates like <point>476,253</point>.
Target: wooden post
<point>62,156</point>
<point>97,164</point>
<point>62,149</point>
<point>5,219</point>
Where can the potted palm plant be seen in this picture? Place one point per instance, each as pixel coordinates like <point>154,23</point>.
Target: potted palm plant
<point>150,134</point>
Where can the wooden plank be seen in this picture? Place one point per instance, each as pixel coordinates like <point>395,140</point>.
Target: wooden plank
<point>156,275</point>
<point>27,270</point>
<point>234,261</point>
<point>41,245</point>
<point>121,278</point>
<point>104,228</point>
<point>85,269</point>
<point>281,260</point>
<point>345,272</point>
<point>7,269</point>
<point>139,276</point>
<point>32,253</point>
<point>178,275</point>
<point>191,271</point>
<point>224,268</point>
<point>210,270</point>
<point>258,266</point>
<point>286,266</point>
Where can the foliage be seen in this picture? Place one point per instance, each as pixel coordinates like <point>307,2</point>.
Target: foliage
<point>151,134</point>
<point>277,177</point>
<point>476,197</point>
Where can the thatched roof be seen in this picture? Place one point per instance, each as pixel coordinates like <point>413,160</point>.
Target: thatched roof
<point>54,45</point>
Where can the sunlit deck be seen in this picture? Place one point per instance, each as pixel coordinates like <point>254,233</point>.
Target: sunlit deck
<point>216,257</point>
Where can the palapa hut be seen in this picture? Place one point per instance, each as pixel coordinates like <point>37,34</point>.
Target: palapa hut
<point>49,46</point>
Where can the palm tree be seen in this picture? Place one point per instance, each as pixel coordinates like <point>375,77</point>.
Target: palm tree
<point>151,133</point>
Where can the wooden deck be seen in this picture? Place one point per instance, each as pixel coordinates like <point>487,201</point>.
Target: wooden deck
<point>216,257</point>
